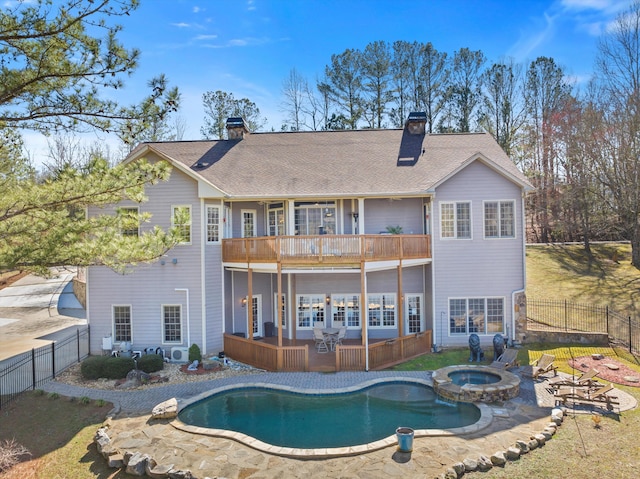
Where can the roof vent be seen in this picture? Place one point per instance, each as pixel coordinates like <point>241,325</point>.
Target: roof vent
<point>416,123</point>
<point>236,128</point>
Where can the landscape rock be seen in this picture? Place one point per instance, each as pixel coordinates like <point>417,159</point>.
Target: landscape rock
<point>137,464</point>
<point>523,446</point>
<point>499,459</point>
<point>115,461</point>
<point>533,444</point>
<point>450,474</point>
<point>160,471</point>
<point>484,463</point>
<point>179,474</point>
<point>165,410</point>
<point>541,439</point>
<point>459,469</point>
<point>470,465</point>
<point>513,453</point>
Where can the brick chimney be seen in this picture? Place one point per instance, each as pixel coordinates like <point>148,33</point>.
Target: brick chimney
<point>236,128</point>
<point>416,123</point>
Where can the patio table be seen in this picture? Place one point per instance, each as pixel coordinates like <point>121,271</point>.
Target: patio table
<point>331,334</point>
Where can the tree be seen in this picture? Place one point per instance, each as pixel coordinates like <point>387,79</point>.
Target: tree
<point>55,67</point>
<point>376,62</point>
<point>219,106</point>
<point>433,83</point>
<point>464,90</point>
<point>546,93</point>
<point>344,79</point>
<point>503,112</point>
<point>294,92</point>
<point>45,224</point>
<point>618,75</point>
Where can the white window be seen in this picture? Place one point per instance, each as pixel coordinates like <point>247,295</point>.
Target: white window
<point>181,221</point>
<point>312,218</point>
<point>476,315</point>
<point>499,219</point>
<point>455,220</point>
<point>382,310</point>
<point>310,310</point>
<point>413,313</point>
<point>249,223</point>
<point>172,324</point>
<point>121,323</point>
<point>345,310</point>
<point>130,218</point>
<point>276,219</point>
<point>213,224</point>
<point>284,309</point>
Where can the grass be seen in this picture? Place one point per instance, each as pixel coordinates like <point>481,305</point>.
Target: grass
<point>59,433</point>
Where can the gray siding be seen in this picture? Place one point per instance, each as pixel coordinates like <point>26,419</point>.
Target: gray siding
<point>478,267</point>
<point>405,212</point>
<point>148,286</point>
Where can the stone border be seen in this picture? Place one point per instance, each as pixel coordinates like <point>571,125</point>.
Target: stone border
<point>507,388</point>
<point>138,464</point>
<point>486,417</point>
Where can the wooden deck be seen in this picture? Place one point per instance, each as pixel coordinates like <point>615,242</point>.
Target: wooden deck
<point>301,355</point>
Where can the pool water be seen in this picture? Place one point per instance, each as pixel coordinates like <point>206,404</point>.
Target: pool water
<point>461,378</point>
<point>306,421</point>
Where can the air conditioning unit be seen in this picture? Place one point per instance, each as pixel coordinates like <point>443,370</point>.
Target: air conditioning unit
<point>180,354</point>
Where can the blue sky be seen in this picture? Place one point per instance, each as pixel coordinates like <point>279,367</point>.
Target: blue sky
<point>248,47</point>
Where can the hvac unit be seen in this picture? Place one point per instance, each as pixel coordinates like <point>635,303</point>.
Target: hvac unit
<point>180,354</point>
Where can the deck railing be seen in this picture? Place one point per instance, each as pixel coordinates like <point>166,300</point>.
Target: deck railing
<point>331,249</point>
<point>267,356</point>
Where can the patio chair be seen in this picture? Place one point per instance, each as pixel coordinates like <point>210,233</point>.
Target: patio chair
<point>508,359</point>
<point>541,366</point>
<point>587,379</point>
<point>338,338</point>
<point>321,342</point>
<point>584,395</point>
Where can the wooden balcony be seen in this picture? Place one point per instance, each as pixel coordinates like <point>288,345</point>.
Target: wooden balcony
<point>326,250</point>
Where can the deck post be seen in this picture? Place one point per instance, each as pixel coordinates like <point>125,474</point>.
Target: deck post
<point>250,303</point>
<point>279,302</point>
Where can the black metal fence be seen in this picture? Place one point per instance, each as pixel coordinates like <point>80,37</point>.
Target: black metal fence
<point>552,315</point>
<point>31,369</point>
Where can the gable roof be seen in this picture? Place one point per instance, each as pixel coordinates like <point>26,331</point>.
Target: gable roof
<point>333,163</point>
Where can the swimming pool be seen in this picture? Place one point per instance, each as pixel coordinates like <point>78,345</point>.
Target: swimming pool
<point>319,421</point>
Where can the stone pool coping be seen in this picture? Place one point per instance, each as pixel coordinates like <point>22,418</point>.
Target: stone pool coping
<point>486,416</point>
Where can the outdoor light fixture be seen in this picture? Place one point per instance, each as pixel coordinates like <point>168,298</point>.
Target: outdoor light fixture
<point>244,301</point>
<point>328,299</point>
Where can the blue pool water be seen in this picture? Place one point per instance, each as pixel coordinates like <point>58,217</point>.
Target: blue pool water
<point>473,377</point>
<point>288,419</point>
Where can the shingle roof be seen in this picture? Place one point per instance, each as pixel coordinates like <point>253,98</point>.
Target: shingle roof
<point>334,163</point>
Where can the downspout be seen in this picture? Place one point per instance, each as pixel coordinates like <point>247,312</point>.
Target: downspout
<point>203,289</point>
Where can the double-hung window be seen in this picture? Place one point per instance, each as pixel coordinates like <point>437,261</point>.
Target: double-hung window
<point>121,323</point>
<point>455,220</point>
<point>476,315</point>
<point>130,218</point>
<point>499,219</point>
<point>172,323</point>
<point>181,221</point>
<point>213,224</point>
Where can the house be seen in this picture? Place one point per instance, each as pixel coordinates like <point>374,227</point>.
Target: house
<point>393,233</point>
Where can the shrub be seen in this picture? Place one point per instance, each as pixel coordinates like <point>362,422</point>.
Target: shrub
<point>11,453</point>
<point>85,400</point>
<point>194,353</point>
<point>92,367</point>
<point>100,402</point>
<point>54,396</point>
<point>95,367</point>
<point>117,368</point>
<point>150,363</point>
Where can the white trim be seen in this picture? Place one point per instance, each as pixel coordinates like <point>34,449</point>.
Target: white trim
<point>206,223</point>
<point>137,212</point>
<point>484,220</point>
<point>190,224</point>
<point>203,288</point>
<point>254,213</point>
<point>257,320</point>
<point>466,326</point>
<point>395,311</point>
<point>113,321</point>
<point>275,311</point>
<point>162,326</point>
<point>405,312</point>
<point>455,220</point>
<point>320,299</point>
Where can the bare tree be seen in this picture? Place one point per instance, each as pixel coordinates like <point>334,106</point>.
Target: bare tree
<point>295,90</point>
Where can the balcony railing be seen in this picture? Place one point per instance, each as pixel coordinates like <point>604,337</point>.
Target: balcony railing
<point>326,249</point>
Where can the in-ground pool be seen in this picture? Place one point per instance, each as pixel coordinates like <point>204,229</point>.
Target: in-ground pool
<point>307,421</point>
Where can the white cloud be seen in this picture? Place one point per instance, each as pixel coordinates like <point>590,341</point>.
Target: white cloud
<point>206,37</point>
<point>181,25</point>
<point>196,9</point>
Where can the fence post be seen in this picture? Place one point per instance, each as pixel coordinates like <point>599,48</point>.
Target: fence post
<point>78,342</point>
<point>33,368</point>
<point>607,318</point>
<point>53,360</point>
<point>565,315</point>
<point>630,348</point>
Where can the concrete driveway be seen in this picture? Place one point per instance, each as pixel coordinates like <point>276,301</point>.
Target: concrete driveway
<point>35,310</point>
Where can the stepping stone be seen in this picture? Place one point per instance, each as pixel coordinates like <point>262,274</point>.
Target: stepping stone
<point>632,379</point>
<point>613,367</point>
<point>597,356</point>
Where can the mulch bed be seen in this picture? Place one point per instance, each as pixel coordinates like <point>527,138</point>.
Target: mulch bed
<point>200,370</point>
<point>617,376</point>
